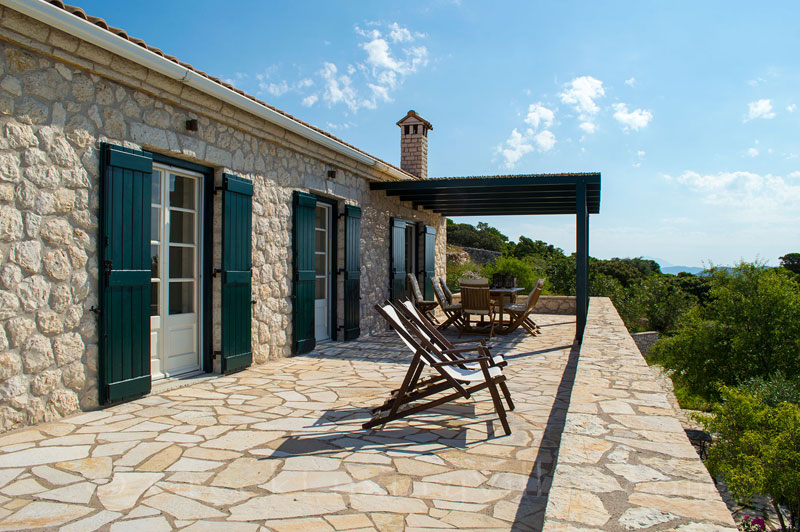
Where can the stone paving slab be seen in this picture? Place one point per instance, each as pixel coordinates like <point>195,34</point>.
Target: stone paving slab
<point>279,447</point>
<point>625,462</point>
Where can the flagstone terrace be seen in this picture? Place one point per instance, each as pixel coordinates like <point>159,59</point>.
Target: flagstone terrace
<point>280,447</point>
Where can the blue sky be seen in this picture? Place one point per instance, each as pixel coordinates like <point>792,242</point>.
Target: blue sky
<point>690,110</point>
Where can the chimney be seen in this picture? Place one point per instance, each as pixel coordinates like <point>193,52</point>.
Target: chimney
<point>414,144</point>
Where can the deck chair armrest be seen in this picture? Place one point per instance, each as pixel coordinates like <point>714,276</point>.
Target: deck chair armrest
<point>474,347</point>
<point>460,361</point>
<point>470,341</point>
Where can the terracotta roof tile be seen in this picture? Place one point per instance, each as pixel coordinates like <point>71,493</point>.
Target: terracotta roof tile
<point>101,23</point>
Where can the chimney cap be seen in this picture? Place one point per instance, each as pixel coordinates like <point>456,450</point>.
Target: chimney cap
<point>413,118</point>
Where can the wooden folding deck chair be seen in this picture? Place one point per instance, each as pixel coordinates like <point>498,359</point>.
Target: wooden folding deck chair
<point>426,307</point>
<point>520,313</point>
<point>440,341</point>
<point>451,310</point>
<point>450,376</point>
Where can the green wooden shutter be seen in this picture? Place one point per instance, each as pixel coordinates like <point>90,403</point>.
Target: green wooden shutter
<point>352,272</point>
<point>429,261</point>
<point>305,206</point>
<point>125,284</point>
<point>398,259</point>
<point>237,209</point>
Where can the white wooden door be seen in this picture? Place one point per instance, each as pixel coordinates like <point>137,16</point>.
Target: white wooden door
<point>322,263</point>
<point>175,249</point>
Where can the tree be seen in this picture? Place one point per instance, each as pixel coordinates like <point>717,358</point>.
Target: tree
<point>757,450</point>
<point>750,327</point>
<point>791,261</point>
<point>482,237</point>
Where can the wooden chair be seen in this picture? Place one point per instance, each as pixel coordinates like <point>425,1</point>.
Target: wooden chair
<point>432,334</point>
<point>451,297</point>
<point>451,310</point>
<point>449,376</point>
<point>520,313</point>
<point>473,282</point>
<point>425,306</point>
<point>475,301</point>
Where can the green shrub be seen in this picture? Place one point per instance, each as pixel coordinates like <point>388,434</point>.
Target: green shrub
<point>656,303</point>
<point>775,389</point>
<point>749,328</point>
<point>757,450</point>
<point>522,269</point>
<point>457,271</point>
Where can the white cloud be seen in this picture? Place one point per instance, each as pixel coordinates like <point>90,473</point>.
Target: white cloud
<point>389,53</point>
<point>545,140</point>
<point>752,152</point>
<point>640,154</point>
<point>794,174</point>
<point>538,115</point>
<point>310,100</point>
<point>630,82</point>
<point>759,109</point>
<point>277,89</point>
<point>516,146</point>
<point>581,93</point>
<point>750,196</point>
<point>791,108</point>
<point>520,144</point>
<point>635,120</point>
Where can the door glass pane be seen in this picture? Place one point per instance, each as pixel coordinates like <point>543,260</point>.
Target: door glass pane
<point>320,242</point>
<point>154,295</point>
<point>155,224</point>
<point>181,229</point>
<point>181,262</point>
<point>319,288</point>
<point>155,269</point>
<point>181,191</point>
<point>319,264</point>
<point>155,189</point>
<point>322,219</point>
<point>181,297</point>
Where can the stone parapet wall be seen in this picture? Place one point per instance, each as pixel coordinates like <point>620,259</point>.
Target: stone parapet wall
<point>59,99</point>
<point>555,305</point>
<point>624,461</point>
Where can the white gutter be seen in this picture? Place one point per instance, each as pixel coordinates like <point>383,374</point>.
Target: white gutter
<point>85,30</point>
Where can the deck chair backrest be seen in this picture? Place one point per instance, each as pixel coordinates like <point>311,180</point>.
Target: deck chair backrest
<point>446,289</point>
<point>440,297</point>
<point>407,332</point>
<point>533,297</point>
<point>414,287</point>
<point>475,298</point>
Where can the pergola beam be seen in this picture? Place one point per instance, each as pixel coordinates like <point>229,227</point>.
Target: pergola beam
<point>521,195</point>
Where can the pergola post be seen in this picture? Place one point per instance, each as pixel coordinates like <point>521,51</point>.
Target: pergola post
<point>581,259</point>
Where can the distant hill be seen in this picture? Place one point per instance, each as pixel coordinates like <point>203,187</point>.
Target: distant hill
<point>675,270</point>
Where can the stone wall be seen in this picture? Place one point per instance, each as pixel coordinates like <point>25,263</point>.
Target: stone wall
<point>555,305</point>
<point>59,99</point>
<point>481,256</point>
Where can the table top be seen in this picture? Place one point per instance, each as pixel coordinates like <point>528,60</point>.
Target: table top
<point>498,291</point>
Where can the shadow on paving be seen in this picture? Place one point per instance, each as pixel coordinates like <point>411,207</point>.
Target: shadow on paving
<point>425,437</point>
<point>530,514</point>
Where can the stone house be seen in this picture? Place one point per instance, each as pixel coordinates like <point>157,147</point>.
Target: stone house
<point>157,222</point>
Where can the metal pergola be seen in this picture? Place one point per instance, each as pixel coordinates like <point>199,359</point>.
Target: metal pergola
<point>514,195</point>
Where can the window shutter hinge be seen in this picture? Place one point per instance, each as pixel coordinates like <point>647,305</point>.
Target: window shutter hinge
<point>217,188</point>
<point>217,354</point>
<point>215,271</point>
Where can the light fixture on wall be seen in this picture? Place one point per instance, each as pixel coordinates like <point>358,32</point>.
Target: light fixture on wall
<point>191,125</point>
<point>331,174</point>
